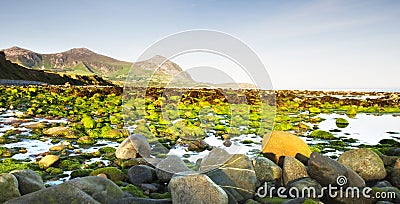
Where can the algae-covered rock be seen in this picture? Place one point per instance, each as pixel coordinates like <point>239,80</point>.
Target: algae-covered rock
<point>341,123</point>
<point>112,173</point>
<point>321,134</point>
<point>266,170</point>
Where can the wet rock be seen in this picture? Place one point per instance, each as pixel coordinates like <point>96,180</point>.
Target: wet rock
<point>8,187</point>
<point>166,168</point>
<point>325,170</point>
<point>92,189</point>
<point>284,144</point>
<point>266,170</point>
<point>196,188</point>
<point>132,146</point>
<point>86,140</point>
<point>293,169</point>
<point>48,160</point>
<point>113,173</point>
<point>236,176</point>
<point>28,181</point>
<point>198,145</point>
<point>393,152</point>
<point>303,184</point>
<point>141,174</point>
<point>388,160</point>
<point>392,191</point>
<point>364,162</point>
<point>60,132</point>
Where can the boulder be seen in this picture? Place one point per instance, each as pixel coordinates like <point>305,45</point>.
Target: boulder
<point>8,187</point>
<point>364,162</point>
<point>28,181</point>
<point>196,188</point>
<point>284,144</point>
<point>214,159</point>
<point>132,146</point>
<point>354,180</point>
<point>293,169</point>
<point>266,170</point>
<point>236,176</point>
<point>325,170</point>
<point>48,160</point>
<point>166,168</point>
<point>91,189</point>
<point>141,174</point>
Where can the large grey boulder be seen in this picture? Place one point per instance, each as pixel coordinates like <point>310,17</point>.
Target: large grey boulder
<point>28,181</point>
<point>364,162</point>
<point>133,146</point>
<point>293,169</point>
<point>171,165</point>
<point>236,175</point>
<point>325,170</point>
<point>8,187</point>
<point>196,188</point>
<point>91,189</point>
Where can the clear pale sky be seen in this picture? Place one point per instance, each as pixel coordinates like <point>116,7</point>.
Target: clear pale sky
<point>304,44</point>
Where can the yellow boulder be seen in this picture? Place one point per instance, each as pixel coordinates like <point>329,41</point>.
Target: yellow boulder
<point>284,144</point>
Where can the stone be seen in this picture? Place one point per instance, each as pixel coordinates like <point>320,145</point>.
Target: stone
<point>354,180</point>
<point>91,189</point>
<point>216,158</point>
<point>293,169</point>
<point>132,146</point>
<point>148,187</point>
<point>60,132</point>
<point>8,187</point>
<point>28,181</point>
<point>393,152</point>
<point>48,160</point>
<point>364,162</point>
<point>325,170</point>
<point>309,186</point>
<point>57,147</point>
<point>266,170</point>
<point>281,143</point>
<point>236,176</point>
<point>196,188</point>
<point>383,183</point>
<point>141,174</point>
<point>397,164</point>
<point>395,177</point>
<point>166,168</point>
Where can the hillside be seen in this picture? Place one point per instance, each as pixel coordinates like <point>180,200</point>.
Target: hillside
<point>11,71</point>
<point>83,61</point>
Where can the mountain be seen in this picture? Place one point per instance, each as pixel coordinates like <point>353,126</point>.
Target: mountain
<point>11,72</point>
<point>86,62</point>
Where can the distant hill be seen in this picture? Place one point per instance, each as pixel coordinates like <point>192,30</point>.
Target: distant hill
<point>83,61</point>
<point>14,72</point>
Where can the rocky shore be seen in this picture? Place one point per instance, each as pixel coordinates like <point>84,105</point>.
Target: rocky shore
<point>220,177</point>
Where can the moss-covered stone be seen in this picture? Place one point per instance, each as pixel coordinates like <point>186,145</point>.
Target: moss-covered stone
<point>112,173</point>
<point>133,190</point>
<point>321,134</point>
<point>81,173</point>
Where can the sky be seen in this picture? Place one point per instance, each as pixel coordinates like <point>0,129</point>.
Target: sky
<point>303,44</point>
